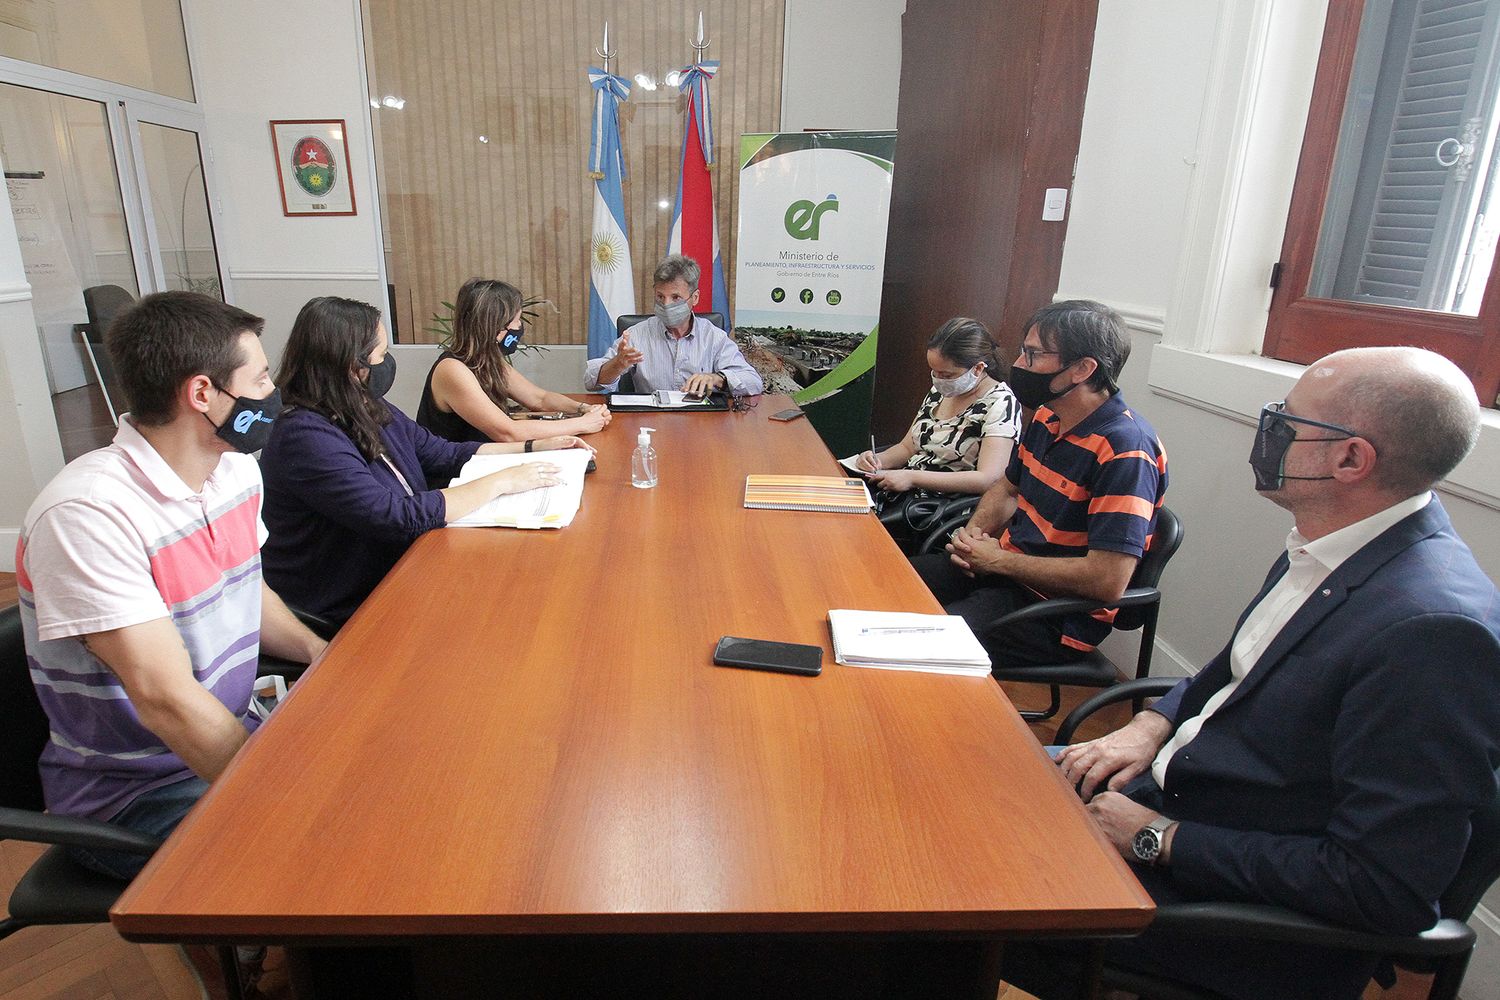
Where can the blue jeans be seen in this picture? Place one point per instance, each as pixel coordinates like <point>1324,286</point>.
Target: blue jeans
<point>156,812</point>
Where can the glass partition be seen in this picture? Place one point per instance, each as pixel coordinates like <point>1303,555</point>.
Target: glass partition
<point>139,43</point>
<point>75,247</point>
<point>179,206</point>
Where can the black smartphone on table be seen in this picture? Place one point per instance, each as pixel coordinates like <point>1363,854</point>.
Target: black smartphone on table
<point>763,654</point>
<point>790,414</point>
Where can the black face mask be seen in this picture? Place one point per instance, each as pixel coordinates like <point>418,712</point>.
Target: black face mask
<point>382,376</point>
<point>1034,389</point>
<point>511,342</point>
<point>249,422</point>
<point>1273,436</point>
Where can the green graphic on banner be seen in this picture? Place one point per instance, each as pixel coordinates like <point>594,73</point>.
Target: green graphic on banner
<point>802,217</point>
<point>861,360</point>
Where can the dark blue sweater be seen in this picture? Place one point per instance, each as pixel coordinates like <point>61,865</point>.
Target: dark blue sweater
<point>338,523</point>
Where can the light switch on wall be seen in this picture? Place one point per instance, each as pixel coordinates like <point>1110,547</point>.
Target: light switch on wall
<point>1055,205</point>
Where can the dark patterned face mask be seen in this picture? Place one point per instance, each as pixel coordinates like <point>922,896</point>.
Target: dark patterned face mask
<point>1276,433</point>
<point>249,424</point>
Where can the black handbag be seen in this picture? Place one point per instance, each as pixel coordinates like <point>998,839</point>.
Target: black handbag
<point>913,513</point>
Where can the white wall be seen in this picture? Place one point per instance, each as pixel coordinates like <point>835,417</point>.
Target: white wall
<point>1140,128</point>
<point>1151,234</point>
<point>842,65</point>
<point>243,59</point>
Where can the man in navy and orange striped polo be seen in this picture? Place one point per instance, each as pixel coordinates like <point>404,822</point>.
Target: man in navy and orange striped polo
<point>1077,505</point>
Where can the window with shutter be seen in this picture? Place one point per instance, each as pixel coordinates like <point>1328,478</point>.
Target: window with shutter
<point>1392,232</point>
<point>1391,237</point>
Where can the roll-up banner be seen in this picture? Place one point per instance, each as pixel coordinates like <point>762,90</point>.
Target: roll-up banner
<point>811,258</point>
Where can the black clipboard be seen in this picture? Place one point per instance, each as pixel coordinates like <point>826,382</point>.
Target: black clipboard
<point>718,402</point>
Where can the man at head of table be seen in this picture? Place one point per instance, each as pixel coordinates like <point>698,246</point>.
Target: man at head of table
<point>675,349</point>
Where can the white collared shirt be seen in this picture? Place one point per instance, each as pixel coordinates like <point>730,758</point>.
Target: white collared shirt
<point>1310,564</point>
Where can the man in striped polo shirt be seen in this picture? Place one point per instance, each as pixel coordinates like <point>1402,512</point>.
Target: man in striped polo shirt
<point>139,571</point>
<point>1077,505</point>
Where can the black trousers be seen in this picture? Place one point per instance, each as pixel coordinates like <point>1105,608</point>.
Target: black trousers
<point>980,601</point>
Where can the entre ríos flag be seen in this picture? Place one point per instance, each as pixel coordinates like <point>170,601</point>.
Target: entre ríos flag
<point>312,164</point>
<point>611,277</point>
<point>695,231</point>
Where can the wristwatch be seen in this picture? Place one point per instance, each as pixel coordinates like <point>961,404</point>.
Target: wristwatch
<point>1147,842</point>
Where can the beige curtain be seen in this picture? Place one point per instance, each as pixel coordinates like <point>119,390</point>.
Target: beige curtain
<point>483,171</point>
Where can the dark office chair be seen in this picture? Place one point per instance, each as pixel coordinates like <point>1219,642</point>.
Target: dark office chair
<point>1441,951</point>
<point>1137,609</point>
<point>291,670</point>
<point>627,381</point>
<point>55,889</point>
<point>103,303</point>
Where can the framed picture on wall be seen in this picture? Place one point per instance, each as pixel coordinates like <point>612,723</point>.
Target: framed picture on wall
<point>312,167</point>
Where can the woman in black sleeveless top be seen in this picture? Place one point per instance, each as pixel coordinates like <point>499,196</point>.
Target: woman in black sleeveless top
<point>470,384</point>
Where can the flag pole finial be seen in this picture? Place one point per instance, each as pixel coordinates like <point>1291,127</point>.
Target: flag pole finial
<point>604,51</point>
<point>701,45</point>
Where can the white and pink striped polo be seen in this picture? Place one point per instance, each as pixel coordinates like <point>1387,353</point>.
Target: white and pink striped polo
<point>117,539</point>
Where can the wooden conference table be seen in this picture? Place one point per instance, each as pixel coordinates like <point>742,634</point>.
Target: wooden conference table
<point>517,760</point>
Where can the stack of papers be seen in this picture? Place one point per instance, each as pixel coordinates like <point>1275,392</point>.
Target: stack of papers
<point>548,507</point>
<point>900,640</point>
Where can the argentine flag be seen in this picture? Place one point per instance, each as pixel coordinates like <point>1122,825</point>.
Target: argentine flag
<point>611,278</point>
<point>695,230</point>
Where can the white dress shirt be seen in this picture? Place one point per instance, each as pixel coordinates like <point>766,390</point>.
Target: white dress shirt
<point>1310,564</point>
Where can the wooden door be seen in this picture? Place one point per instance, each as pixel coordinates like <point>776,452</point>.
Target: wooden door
<point>990,113</point>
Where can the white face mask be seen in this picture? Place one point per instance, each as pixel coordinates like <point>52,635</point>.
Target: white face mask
<point>951,387</point>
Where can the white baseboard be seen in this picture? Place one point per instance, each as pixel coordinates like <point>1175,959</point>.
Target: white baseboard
<point>1176,664</point>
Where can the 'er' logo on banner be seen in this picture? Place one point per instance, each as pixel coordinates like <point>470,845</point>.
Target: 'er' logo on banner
<point>802,217</point>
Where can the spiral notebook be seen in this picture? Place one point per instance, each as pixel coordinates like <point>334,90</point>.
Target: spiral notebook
<point>903,640</point>
<point>819,493</point>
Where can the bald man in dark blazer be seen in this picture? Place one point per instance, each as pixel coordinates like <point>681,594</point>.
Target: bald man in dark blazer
<point>1330,758</point>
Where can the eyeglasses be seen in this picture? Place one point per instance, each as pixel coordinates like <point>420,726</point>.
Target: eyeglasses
<point>1030,354</point>
<point>1275,420</point>
<point>742,404</point>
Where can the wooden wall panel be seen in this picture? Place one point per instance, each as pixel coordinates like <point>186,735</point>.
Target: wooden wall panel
<point>990,112</point>
<point>520,207</point>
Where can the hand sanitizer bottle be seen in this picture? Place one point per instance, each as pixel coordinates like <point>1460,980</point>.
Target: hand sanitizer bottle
<point>643,461</point>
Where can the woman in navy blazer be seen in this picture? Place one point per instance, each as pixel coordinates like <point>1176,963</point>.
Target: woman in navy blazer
<point>346,472</point>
